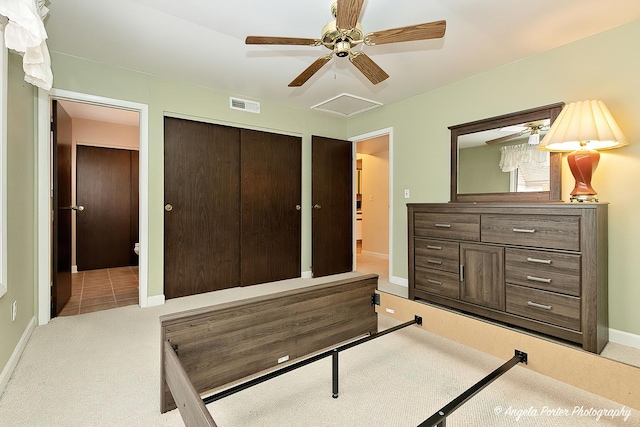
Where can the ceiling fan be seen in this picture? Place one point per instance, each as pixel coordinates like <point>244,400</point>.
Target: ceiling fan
<point>344,33</point>
<point>533,129</point>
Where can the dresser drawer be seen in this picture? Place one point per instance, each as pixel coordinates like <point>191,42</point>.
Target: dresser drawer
<point>437,282</point>
<point>549,307</point>
<point>447,226</point>
<point>549,271</point>
<point>437,254</point>
<point>543,231</point>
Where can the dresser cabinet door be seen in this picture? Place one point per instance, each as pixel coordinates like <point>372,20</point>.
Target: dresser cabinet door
<point>482,275</point>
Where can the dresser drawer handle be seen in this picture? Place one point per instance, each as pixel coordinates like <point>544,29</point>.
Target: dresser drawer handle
<point>435,282</point>
<point>536,305</point>
<point>434,261</point>
<point>443,225</point>
<point>538,279</point>
<point>438,248</point>
<point>523,230</point>
<point>539,261</point>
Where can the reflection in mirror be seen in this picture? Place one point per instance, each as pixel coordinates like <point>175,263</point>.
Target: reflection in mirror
<point>497,159</point>
<point>507,159</point>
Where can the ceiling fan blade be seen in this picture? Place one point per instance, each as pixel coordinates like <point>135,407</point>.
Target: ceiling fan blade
<point>430,30</point>
<point>370,69</point>
<point>295,41</point>
<point>507,137</point>
<point>310,71</point>
<point>348,13</point>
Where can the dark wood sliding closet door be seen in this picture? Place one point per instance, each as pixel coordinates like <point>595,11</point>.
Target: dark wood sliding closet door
<point>230,213</point>
<point>271,191</point>
<point>202,207</point>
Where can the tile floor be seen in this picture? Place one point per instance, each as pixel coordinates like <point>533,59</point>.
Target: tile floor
<point>95,290</point>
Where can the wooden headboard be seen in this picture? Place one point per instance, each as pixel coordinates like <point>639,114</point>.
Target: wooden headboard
<point>224,343</point>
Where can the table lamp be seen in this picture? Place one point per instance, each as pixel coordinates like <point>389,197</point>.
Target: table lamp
<point>583,128</point>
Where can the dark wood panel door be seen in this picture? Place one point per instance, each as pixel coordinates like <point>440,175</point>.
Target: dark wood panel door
<point>271,197</point>
<point>332,199</point>
<point>202,207</point>
<point>103,187</point>
<point>61,239</point>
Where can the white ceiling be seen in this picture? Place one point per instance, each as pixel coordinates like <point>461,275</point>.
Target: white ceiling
<point>202,41</point>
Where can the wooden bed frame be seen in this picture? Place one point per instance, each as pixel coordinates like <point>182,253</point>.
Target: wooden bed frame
<point>212,347</point>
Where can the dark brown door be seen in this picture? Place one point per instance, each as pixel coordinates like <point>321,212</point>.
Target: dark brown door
<point>202,207</point>
<point>61,247</point>
<point>271,194</point>
<point>332,200</point>
<point>103,187</point>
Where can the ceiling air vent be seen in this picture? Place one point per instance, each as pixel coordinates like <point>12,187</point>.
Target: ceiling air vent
<point>244,105</point>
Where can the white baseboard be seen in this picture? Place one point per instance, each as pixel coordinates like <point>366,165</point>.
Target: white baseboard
<point>375,254</point>
<point>155,300</point>
<point>624,338</point>
<point>74,269</point>
<point>15,356</point>
<point>307,274</point>
<point>399,281</point>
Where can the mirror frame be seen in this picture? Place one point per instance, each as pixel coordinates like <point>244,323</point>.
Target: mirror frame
<point>550,112</point>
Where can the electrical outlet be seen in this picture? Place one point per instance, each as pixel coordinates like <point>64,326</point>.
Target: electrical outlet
<point>407,194</point>
<point>14,311</point>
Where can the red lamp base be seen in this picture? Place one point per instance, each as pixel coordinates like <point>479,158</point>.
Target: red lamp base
<point>583,163</point>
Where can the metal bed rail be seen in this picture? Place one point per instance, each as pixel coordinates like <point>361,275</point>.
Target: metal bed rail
<point>439,419</point>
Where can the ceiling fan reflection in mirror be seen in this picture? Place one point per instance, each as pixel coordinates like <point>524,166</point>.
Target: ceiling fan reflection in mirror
<point>342,34</point>
<point>533,129</point>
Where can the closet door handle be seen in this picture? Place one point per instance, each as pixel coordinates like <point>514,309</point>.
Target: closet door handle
<point>317,206</point>
<point>168,207</point>
<point>298,207</point>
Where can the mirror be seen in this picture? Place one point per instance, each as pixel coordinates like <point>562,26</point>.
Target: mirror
<point>493,161</point>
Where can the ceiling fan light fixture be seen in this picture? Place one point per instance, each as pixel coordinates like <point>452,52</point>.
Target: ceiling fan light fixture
<point>534,139</point>
<point>342,48</point>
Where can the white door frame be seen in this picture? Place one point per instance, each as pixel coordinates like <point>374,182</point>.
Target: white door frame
<point>44,191</point>
<point>354,140</point>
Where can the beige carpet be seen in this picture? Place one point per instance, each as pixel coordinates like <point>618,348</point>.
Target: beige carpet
<point>103,369</point>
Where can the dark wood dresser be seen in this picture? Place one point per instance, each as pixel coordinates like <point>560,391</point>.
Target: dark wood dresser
<point>541,266</point>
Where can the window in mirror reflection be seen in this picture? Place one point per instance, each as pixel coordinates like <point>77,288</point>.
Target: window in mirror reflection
<point>503,160</point>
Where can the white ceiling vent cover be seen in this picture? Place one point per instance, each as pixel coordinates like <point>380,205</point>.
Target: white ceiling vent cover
<point>244,105</point>
<point>346,105</point>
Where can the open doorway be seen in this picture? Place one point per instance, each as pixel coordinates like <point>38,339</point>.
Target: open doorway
<point>104,171</point>
<point>137,118</point>
<point>372,234</point>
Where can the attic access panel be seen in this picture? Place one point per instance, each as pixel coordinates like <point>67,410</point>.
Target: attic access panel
<point>346,105</point>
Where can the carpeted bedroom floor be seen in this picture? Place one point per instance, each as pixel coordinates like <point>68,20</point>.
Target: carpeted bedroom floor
<point>103,369</point>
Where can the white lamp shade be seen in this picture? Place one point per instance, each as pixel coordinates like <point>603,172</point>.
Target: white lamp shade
<point>583,124</point>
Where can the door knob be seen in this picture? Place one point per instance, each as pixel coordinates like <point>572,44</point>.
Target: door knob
<point>298,207</point>
<point>78,208</point>
<point>316,206</point>
<point>168,207</point>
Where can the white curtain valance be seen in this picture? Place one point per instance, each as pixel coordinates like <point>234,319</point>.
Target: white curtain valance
<point>25,33</point>
<point>522,156</point>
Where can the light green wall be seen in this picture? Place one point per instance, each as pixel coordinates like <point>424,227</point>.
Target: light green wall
<point>600,67</point>
<point>483,161</point>
<point>20,210</point>
<point>188,101</point>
